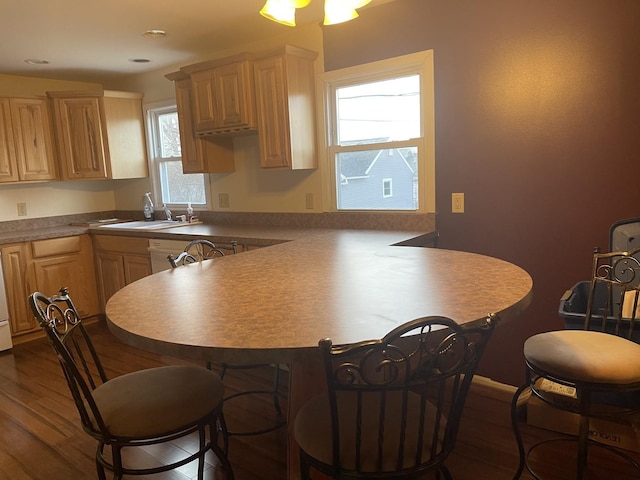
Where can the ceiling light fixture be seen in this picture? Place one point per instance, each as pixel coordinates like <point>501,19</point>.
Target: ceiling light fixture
<point>154,33</point>
<point>36,61</point>
<point>335,11</point>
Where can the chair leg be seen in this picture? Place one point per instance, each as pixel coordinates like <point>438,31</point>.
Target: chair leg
<point>99,467</point>
<point>305,473</point>
<point>583,439</point>
<point>202,440</point>
<point>276,387</point>
<point>116,454</point>
<point>515,423</point>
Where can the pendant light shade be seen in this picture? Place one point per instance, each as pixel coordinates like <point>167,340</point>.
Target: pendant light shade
<point>281,11</point>
<point>338,11</point>
<point>335,11</point>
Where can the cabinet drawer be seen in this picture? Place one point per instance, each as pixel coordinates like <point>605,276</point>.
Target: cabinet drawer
<point>122,244</point>
<point>55,246</point>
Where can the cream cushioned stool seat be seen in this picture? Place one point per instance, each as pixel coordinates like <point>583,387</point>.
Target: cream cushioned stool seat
<point>588,374</point>
<point>585,356</point>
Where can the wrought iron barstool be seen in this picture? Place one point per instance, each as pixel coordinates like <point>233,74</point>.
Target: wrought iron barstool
<point>600,363</point>
<point>197,251</point>
<point>146,407</point>
<point>393,406</point>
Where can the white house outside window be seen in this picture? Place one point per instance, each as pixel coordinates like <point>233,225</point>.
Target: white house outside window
<point>379,130</point>
<point>170,185</point>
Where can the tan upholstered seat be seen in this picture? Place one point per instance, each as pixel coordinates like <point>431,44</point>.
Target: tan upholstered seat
<point>600,365</point>
<point>146,407</point>
<point>393,406</point>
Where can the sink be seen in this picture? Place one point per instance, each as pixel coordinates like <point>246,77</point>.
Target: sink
<point>142,225</point>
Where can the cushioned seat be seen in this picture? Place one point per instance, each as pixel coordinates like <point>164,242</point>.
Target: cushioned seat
<point>313,428</point>
<point>152,402</point>
<point>585,357</point>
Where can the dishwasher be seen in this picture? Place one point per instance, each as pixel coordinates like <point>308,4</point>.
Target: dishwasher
<point>5,329</point>
<point>160,248</point>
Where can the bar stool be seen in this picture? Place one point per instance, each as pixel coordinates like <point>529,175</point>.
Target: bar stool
<point>600,364</point>
<point>200,250</point>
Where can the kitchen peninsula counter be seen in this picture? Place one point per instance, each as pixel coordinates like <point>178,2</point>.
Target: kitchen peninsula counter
<point>286,228</point>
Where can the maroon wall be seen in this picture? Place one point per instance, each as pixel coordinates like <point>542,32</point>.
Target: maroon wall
<point>537,122</point>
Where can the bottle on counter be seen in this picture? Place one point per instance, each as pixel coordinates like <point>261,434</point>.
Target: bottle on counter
<point>147,207</point>
<point>189,212</point>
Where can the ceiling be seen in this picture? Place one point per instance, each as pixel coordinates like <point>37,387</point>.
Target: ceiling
<point>87,40</point>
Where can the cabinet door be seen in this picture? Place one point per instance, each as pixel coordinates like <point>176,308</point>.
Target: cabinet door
<point>203,103</point>
<point>111,276</point>
<point>19,284</point>
<point>136,267</point>
<point>8,167</point>
<point>234,97</point>
<point>32,128</point>
<point>80,138</point>
<point>273,119</point>
<point>200,154</point>
<point>285,102</point>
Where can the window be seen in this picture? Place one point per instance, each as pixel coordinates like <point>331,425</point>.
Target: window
<point>170,185</point>
<point>379,131</point>
<point>387,187</point>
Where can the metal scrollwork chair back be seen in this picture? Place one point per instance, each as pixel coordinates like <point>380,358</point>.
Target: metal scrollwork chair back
<point>145,407</point>
<point>197,251</point>
<point>393,406</point>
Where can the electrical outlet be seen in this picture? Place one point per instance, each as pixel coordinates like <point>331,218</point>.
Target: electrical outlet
<point>457,203</point>
<point>22,209</point>
<point>223,200</point>
<point>309,201</point>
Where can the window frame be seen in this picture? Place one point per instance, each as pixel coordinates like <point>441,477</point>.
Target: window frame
<point>151,111</point>
<point>420,63</point>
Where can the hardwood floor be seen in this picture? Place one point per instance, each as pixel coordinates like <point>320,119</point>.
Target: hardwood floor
<point>41,437</point>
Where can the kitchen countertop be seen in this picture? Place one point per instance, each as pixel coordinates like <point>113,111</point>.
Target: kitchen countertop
<point>255,235</point>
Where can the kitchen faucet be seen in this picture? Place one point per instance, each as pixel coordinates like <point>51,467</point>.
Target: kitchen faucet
<point>167,212</point>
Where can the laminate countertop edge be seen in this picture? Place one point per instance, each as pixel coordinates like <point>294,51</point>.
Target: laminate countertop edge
<point>253,235</point>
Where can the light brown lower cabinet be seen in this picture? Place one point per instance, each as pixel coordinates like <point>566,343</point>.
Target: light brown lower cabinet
<point>120,260</point>
<point>46,266</point>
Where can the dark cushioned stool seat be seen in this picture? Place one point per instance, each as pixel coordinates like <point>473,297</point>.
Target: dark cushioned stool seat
<point>159,406</point>
<point>313,431</point>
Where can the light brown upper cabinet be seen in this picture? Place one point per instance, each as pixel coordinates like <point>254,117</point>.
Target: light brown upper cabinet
<point>27,150</point>
<point>285,103</point>
<point>200,154</point>
<point>100,134</point>
<point>222,96</point>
